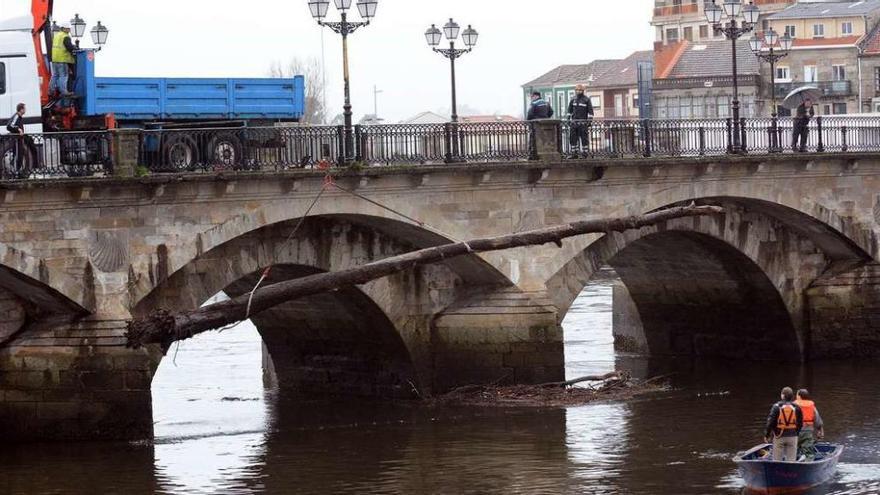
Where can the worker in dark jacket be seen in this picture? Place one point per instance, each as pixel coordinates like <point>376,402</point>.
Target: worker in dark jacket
<point>580,113</point>
<point>802,117</point>
<point>539,109</point>
<point>783,426</point>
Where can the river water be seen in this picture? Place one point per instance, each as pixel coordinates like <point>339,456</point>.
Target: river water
<point>217,431</point>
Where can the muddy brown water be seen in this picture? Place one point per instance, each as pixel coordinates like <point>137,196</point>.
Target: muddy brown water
<point>217,431</point>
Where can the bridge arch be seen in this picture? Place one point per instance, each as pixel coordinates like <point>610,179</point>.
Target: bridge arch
<point>28,294</point>
<point>378,335</point>
<point>731,285</point>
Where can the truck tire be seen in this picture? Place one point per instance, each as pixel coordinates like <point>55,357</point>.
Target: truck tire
<point>7,161</point>
<point>180,153</point>
<point>224,151</point>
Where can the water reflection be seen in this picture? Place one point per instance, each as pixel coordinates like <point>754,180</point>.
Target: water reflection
<point>210,413</point>
<point>217,432</point>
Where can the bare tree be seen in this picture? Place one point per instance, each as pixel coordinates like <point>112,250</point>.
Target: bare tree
<point>313,73</point>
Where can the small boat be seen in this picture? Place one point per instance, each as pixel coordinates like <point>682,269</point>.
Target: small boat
<point>766,476</point>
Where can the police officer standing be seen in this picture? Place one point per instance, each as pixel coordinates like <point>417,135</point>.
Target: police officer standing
<point>580,112</point>
<point>539,109</point>
<point>15,126</point>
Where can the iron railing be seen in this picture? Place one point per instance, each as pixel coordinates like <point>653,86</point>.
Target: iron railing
<point>38,156</point>
<point>49,155</point>
<point>829,88</point>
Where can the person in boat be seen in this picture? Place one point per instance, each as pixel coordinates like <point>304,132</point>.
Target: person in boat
<point>783,425</point>
<point>813,426</point>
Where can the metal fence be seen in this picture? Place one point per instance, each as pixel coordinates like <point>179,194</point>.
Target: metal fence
<point>38,156</point>
<point>48,155</point>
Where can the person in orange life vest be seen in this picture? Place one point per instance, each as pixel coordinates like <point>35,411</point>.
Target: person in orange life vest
<point>783,424</point>
<point>813,426</point>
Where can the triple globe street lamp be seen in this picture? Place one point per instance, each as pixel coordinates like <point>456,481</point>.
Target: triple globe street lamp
<point>772,48</point>
<point>367,10</point>
<point>734,21</point>
<point>434,36</point>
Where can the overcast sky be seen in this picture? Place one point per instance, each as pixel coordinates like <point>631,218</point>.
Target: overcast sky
<point>519,40</point>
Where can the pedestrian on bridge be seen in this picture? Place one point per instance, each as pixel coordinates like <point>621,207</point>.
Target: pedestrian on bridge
<point>580,115</point>
<point>15,126</point>
<point>803,114</point>
<point>783,425</point>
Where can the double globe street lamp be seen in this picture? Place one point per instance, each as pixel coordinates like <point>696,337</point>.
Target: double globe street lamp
<point>99,32</point>
<point>734,21</point>
<point>367,10</point>
<point>772,48</point>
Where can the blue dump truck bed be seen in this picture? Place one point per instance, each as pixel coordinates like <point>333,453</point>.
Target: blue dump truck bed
<point>187,99</point>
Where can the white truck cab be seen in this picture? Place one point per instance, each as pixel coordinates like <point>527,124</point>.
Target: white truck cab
<point>19,77</point>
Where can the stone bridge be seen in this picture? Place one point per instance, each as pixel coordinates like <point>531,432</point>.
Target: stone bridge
<point>788,272</point>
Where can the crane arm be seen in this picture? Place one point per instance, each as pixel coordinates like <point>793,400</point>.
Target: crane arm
<point>41,11</point>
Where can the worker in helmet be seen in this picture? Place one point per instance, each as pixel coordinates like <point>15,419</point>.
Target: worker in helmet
<point>813,427</point>
<point>580,113</point>
<point>784,424</point>
<point>63,58</point>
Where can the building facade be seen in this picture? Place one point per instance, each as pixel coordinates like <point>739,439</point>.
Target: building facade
<point>685,20</point>
<point>831,46</point>
<point>694,80</point>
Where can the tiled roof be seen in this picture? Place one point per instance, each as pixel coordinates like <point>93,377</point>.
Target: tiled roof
<point>870,44</point>
<point>713,58</point>
<point>624,72</point>
<point>818,10</point>
<point>572,74</point>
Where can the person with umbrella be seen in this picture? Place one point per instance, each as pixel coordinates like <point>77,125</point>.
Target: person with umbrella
<point>801,101</point>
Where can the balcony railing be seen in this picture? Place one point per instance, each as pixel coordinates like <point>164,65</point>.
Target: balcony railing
<point>829,88</point>
<point>671,10</point>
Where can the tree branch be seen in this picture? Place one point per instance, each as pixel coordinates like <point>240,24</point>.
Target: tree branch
<point>165,328</point>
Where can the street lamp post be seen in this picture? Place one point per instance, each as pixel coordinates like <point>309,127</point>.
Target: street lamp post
<point>733,29</point>
<point>451,30</point>
<point>772,49</point>
<point>367,10</point>
<point>433,37</point>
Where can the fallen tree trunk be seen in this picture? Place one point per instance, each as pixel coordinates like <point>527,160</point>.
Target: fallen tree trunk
<point>165,328</point>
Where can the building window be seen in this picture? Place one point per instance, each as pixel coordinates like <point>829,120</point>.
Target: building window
<point>2,78</point>
<point>876,78</point>
<point>783,74</point>
<point>838,108</point>
<point>563,105</point>
<point>846,28</point>
<point>838,72</point>
<point>596,101</point>
<point>818,30</point>
<point>672,35</point>
<point>791,31</point>
<point>704,32</point>
<point>711,108</point>
<point>688,33</point>
<point>684,107</point>
<point>672,108</point>
<point>570,94</point>
<point>811,74</point>
<point>698,108</point>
